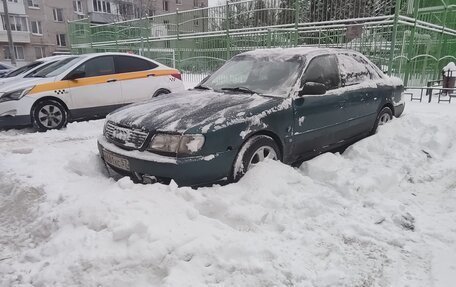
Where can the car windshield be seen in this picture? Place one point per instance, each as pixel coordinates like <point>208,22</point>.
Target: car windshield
<point>23,69</point>
<point>270,75</point>
<point>57,68</point>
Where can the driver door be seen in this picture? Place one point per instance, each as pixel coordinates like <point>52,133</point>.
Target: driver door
<point>319,119</point>
<point>98,91</point>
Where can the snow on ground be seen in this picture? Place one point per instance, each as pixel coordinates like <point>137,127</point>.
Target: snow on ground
<point>381,214</point>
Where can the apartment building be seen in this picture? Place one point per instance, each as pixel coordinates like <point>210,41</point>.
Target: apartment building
<point>39,27</point>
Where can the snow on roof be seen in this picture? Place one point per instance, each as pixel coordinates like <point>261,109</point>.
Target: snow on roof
<point>302,51</point>
<point>450,68</point>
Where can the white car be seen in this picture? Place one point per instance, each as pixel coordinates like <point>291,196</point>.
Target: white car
<point>84,87</point>
<point>30,69</point>
<point>5,69</point>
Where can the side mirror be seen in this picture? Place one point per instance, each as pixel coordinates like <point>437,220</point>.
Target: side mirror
<point>312,88</point>
<point>76,75</point>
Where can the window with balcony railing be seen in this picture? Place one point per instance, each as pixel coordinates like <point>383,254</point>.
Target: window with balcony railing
<point>17,23</point>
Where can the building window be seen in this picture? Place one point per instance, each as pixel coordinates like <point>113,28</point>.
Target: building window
<point>195,3</point>
<point>36,27</point>
<point>33,3</point>
<point>18,51</point>
<point>178,2</point>
<point>40,52</point>
<point>61,40</point>
<point>17,23</point>
<point>15,1</point>
<point>101,6</point>
<point>58,14</point>
<point>77,6</point>
<point>165,5</point>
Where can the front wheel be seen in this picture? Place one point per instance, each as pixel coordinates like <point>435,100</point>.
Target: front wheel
<point>383,117</point>
<point>256,149</point>
<point>49,115</point>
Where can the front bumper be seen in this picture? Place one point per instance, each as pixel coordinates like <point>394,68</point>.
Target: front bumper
<point>188,171</point>
<point>15,121</point>
<point>16,113</point>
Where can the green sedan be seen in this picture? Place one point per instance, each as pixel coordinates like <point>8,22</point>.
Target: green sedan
<point>283,104</point>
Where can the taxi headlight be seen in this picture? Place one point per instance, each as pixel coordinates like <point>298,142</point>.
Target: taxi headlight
<point>15,95</point>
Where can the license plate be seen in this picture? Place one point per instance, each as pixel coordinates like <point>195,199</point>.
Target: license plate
<point>116,161</point>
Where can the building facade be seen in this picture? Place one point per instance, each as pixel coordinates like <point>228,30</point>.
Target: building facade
<point>40,27</point>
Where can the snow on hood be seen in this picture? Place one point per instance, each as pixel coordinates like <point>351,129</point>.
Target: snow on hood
<point>189,109</point>
<point>23,83</point>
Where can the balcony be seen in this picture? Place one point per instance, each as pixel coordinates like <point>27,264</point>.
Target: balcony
<point>18,37</point>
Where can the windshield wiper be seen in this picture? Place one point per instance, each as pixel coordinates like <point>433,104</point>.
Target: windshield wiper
<point>240,89</point>
<point>199,87</point>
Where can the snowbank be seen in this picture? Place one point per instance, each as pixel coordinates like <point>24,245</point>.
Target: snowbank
<point>381,214</point>
<point>450,69</point>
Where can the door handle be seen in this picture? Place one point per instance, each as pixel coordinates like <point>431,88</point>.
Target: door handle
<point>151,75</point>
<point>111,81</point>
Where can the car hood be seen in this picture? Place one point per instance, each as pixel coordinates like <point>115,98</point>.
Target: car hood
<point>20,83</point>
<point>200,111</point>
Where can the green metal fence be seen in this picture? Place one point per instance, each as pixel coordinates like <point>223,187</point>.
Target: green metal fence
<point>403,37</point>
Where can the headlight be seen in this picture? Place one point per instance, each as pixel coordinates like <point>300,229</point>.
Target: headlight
<point>176,144</point>
<point>15,95</point>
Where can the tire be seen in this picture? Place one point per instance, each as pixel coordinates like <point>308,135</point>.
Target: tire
<point>49,115</point>
<point>160,92</point>
<point>250,154</point>
<point>383,117</point>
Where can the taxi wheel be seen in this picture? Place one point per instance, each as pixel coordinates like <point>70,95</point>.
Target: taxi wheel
<point>253,151</point>
<point>49,115</point>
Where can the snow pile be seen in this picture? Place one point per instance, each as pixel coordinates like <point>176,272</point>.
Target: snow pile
<point>381,214</point>
<point>450,69</point>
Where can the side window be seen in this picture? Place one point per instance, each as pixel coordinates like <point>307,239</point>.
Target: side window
<point>97,67</point>
<point>323,69</point>
<point>353,70</point>
<point>126,64</point>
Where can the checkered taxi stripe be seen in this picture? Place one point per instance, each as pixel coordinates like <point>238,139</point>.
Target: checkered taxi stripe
<point>60,92</point>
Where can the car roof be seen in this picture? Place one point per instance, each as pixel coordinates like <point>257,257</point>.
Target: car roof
<point>53,58</point>
<point>297,51</point>
<point>93,55</point>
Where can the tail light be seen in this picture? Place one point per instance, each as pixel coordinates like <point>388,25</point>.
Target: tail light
<point>177,76</point>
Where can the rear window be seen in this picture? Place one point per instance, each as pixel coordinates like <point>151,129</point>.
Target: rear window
<point>352,72</point>
<point>126,64</point>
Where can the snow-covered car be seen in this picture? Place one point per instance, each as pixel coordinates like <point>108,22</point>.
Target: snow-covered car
<point>84,87</point>
<point>283,104</point>
<point>5,69</point>
<point>30,69</point>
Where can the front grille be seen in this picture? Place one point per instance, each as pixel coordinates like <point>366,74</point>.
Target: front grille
<point>125,137</point>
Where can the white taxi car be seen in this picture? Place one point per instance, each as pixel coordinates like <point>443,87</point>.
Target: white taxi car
<point>84,87</point>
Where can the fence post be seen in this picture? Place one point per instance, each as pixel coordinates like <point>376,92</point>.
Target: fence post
<point>296,35</point>
<point>411,44</point>
<point>269,38</point>
<point>393,37</point>
<point>227,28</point>
<point>177,19</point>
<point>439,53</point>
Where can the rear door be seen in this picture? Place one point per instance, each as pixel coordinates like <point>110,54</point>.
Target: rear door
<point>98,92</point>
<point>138,80</point>
<point>360,91</point>
<point>318,120</point>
